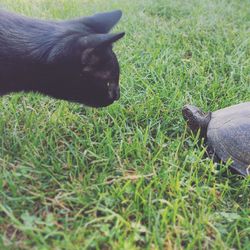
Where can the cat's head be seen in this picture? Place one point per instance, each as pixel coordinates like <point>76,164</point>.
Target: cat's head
<point>99,72</point>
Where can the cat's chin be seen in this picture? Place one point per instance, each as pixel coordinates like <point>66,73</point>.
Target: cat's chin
<point>101,105</point>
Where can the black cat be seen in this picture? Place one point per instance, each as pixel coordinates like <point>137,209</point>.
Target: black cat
<point>71,60</point>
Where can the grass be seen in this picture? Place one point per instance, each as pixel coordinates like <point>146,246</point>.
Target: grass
<point>131,176</point>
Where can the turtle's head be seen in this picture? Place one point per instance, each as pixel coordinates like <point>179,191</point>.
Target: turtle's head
<point>196,119</point>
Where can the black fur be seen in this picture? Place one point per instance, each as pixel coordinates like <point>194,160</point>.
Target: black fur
<point>71,60</point>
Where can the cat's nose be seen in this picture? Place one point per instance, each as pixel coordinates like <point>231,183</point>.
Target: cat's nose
<point>114,92</point>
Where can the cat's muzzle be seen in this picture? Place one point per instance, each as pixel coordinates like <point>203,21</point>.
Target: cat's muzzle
<point>113,91</point>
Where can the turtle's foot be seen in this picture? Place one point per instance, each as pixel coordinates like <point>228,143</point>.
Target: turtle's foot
<point>211,154</point>
<point>244,171</point>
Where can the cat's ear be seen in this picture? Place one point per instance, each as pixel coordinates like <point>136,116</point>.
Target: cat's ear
<point>100,40</point>
<point>103,22</point>
<point>93,45</point>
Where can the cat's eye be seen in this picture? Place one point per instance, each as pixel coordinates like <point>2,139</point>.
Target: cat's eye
<point>108,84</point>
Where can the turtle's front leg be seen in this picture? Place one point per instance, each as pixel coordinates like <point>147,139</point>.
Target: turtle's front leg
<point>240,169</point>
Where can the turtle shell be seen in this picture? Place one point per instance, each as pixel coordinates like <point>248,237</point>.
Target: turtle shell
<point>228,136</point>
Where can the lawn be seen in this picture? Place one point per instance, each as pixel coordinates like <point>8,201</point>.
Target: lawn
<point>131,176</point>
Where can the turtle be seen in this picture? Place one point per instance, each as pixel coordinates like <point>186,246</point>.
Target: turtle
<point>226,133</point>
